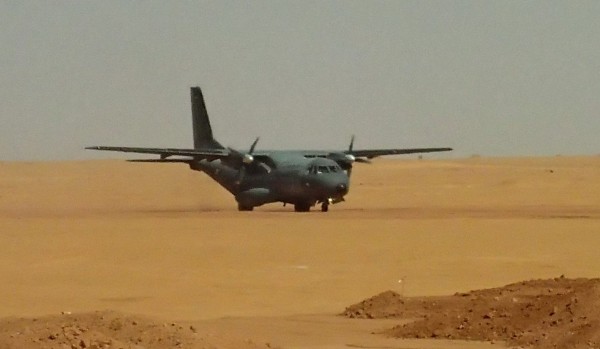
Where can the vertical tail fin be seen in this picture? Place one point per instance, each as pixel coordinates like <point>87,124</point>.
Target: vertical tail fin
<point>203,137</point>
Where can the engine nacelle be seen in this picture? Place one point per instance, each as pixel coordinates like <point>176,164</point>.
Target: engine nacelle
<point>344,160</point>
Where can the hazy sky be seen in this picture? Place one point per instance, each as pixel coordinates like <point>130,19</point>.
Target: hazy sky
<point>485,77</point>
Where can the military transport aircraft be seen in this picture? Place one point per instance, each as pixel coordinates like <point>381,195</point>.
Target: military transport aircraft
<point>298,177</point>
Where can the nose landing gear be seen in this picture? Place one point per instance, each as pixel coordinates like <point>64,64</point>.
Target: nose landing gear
<point>325,205</point>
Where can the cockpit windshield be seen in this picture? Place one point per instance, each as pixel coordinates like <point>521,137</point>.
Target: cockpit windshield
<point>314,169</point>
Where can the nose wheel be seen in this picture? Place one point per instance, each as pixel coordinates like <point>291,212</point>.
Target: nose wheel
<point>325,207</point>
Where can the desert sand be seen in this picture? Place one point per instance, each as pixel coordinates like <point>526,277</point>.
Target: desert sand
<point>164,245</point>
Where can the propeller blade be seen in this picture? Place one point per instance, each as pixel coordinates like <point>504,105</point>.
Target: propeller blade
<point>351,143</point>
<point>363,160</point>
<point>253,145</point>
<point>241,175</point>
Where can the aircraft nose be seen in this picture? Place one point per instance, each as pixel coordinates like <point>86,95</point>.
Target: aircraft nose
<point>341,189</point>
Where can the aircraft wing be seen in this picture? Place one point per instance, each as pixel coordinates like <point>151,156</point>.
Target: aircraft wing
<point>167,152</point>
<point>372,153</point>
<point>222,153</point>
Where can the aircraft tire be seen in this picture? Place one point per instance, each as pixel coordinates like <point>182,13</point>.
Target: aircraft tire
<point>324,207</point>
<point>302,207</point>
<point>245,208</point>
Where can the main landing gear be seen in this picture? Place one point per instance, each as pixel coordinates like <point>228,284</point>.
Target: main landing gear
<point>302,207</point>
<point>245,208</point>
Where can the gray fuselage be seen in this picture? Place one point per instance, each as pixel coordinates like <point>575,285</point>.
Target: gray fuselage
<point>289,177</point>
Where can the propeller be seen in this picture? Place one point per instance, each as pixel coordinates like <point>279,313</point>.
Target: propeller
<point>247,160</point>
<point>350,158</point>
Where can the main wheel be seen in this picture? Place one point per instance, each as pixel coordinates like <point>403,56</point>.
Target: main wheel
<point>245,208</point>
<point>324,207</point>
<point>302,207</point>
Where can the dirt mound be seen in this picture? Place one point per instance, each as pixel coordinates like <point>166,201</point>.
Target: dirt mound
<point>554,313</point>
<point>109,330</point>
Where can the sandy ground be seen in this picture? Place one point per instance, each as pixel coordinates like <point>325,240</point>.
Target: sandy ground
<point>166,242</point>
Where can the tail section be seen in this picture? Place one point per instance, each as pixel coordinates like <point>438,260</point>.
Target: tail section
<point>203,137</point>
